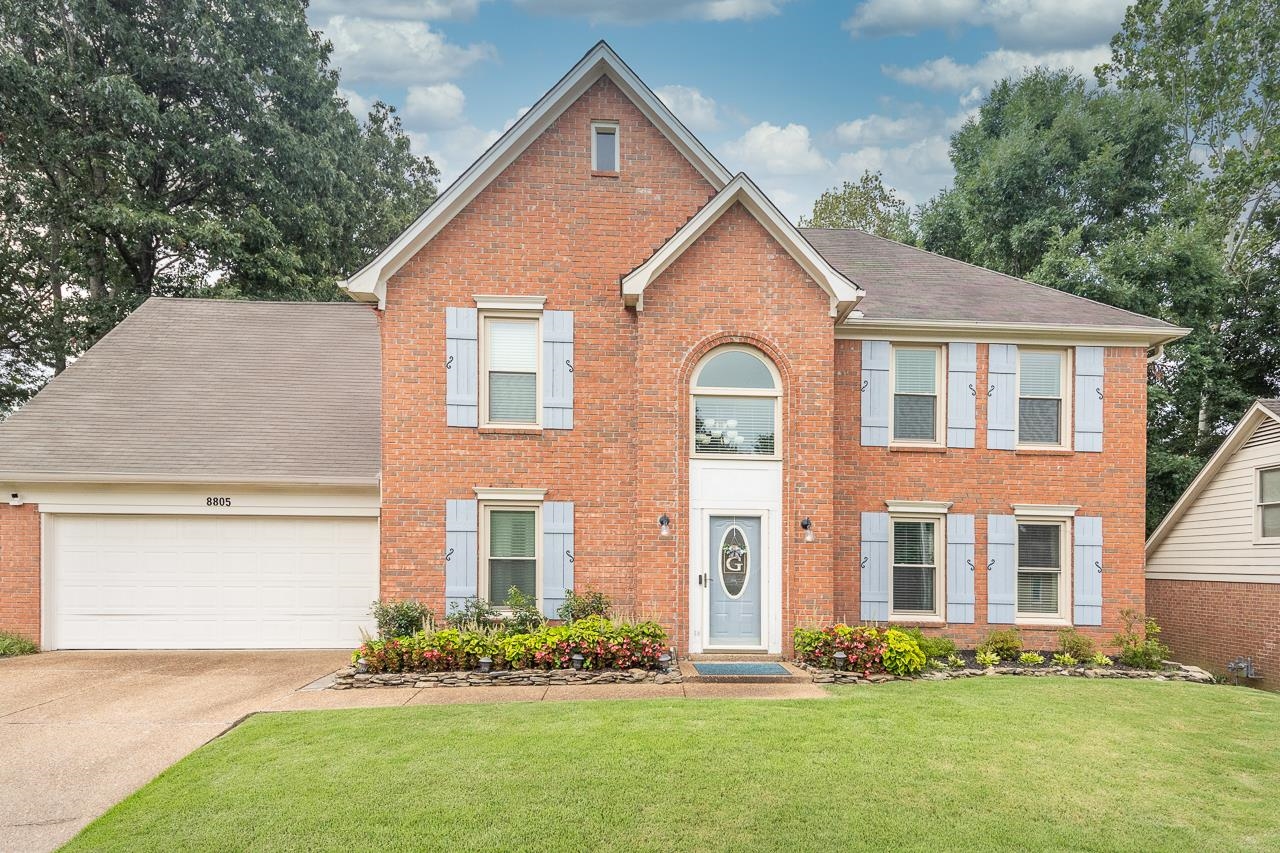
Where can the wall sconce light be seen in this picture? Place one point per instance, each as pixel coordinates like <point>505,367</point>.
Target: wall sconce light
<point>15,499</point>
<point>807,526</point>
<point>664,525</point>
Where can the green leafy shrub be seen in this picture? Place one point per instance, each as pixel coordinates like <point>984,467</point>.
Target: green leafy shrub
<point>1071,642</point>
<point>474,614</point>
<point>986,658</point>
<point>577,607</point>
<point>1005,644</point>
<point>902,654</point>
<point>401,618</point>
<point>954,661</point>
<point>1064,659</point>
<point>525,616</point>
<point>1030,658</point>
<point>1100,659</point>
<point>863,646</point>
<point>1139,641</point>
<point>933,647</point>
<point>602,643</point>
<point>12,645</point>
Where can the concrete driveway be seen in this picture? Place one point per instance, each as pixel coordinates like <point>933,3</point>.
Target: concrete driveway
<point>79,731</point>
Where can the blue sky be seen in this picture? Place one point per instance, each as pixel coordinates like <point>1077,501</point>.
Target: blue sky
<point>800,94</point>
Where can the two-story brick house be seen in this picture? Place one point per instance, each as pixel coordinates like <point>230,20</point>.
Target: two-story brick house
<point>599,361</point>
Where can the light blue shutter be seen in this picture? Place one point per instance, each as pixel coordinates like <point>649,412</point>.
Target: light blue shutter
<point>463,367</point>
<point>461,553</point>
<point>1002,397</point>
<point>962,374</point>
<point>557,367</point>
<point>557,554</point>
<point>1088,570</point>
<point>875,567</point>
<point>875,393</point>
<point>960,568</point>
<point>1089,400</point>
<point>1002,569</point>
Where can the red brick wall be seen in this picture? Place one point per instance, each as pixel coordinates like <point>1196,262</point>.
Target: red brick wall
<point>1110,484</point>
<point>544,227</point>
<point>20,570</point>
<point>1209,623</point>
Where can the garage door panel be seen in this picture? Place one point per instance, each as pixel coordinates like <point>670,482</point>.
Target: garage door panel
<point>203,582</point>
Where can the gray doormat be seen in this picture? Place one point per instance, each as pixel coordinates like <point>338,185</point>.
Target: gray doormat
<point>756,669</point>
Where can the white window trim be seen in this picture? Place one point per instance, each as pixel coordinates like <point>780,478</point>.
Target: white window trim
<point>1044,510</point>
<point>940,393</point>
<point>1258,538</point>
<point>1063,617</point>
<point>617,146</point>
<point>509,303</point>
<point>1067,389</point>
<point>518,495</point>
<point>484,318</point>
<point>939,568</point>
<point>696,391</point>
<point>918,507</point>
<point>482,572</point>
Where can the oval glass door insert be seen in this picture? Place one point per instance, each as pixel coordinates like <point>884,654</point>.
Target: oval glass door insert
<point>735,562</point>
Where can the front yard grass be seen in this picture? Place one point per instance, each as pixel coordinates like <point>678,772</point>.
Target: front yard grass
<point>978,764</point>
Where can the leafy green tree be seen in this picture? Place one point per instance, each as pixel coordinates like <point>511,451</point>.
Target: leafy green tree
<point>868,205</point>
<point>177,147</point>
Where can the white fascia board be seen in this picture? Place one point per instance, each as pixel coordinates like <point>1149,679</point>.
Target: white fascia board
<point>940,331</point>
<point>1238,436</point>
<point>369,284</point>
<point>844,293</point>
<point>18,478</point>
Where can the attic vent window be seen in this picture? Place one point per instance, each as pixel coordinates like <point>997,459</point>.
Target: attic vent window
<point>604,146</point>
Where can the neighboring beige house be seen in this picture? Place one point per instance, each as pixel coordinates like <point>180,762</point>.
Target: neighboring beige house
<point>1213,564</point>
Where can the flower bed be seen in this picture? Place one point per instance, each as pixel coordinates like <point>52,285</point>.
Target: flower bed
<point>582,652</point>
<point>1173,672</point>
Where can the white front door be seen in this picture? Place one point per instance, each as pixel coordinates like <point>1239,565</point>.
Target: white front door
<point>198,582</point>
<point>735,581</point>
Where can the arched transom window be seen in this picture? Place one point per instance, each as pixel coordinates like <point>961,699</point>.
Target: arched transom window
<point>735,404</point>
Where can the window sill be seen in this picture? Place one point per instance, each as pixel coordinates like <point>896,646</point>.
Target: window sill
<point>736,457</point>
<point>599,174</point>
<point>917,448</point>
<point>1044,451</point>
<point>511,430</point>
<point>912,621</point>
<point>1051,622</point>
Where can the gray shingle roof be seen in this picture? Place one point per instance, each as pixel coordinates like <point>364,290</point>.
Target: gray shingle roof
<point>206,389</point>
<point>906,283</point>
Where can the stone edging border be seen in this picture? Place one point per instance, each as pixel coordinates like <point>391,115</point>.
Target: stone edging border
<point>1182,672</point>
<point>349,678</point>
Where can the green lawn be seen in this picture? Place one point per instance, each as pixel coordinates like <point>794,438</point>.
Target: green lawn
<point>983,763</point>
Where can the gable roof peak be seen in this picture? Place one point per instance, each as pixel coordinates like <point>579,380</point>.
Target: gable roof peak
<point>369,283</point>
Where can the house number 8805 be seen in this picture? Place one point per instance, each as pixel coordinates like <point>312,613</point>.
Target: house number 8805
<point>217,501</point>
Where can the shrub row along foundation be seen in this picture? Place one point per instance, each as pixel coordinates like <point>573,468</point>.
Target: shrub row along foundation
<point>1177,672</point>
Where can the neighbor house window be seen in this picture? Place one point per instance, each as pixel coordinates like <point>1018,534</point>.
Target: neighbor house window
<point>913,584</point>
<point>1040,569</point>
<point>917,380</point>
<point>1269,503</point>
<point>1042,410</point>
<point>604,146</point>
<point>735,405</point>
<point>511,552</point>
<point>511,345</point>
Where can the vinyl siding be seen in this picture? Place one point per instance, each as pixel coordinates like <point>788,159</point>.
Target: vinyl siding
<point>1215,538</point>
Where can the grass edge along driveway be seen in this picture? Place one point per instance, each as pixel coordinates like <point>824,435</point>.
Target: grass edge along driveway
<point>985,763</point>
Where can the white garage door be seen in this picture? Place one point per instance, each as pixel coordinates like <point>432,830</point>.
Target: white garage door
<point>195,582</point>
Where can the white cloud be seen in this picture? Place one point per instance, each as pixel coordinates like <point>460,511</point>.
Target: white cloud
<point>358,104</point>
<point>509,123</point>
<point>945,74</point>
<point>916,170</point>
<point>398,51</point>
<point>878,129</point>
<point>433,10</point>
<point>635,12</point>
<point>773,150</point>
<point>1019,24</point>
<point>434,107</point>
<point>452,150</point>
<point>699,112</point>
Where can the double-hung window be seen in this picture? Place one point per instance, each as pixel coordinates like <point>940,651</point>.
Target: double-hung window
<point>510,539</point>
<point>917,398</point>
<point>1042,398</point>
<point>914,583</point>
<point>1041,549</point>
<point>512,390</point>
<point>1269,504</point>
